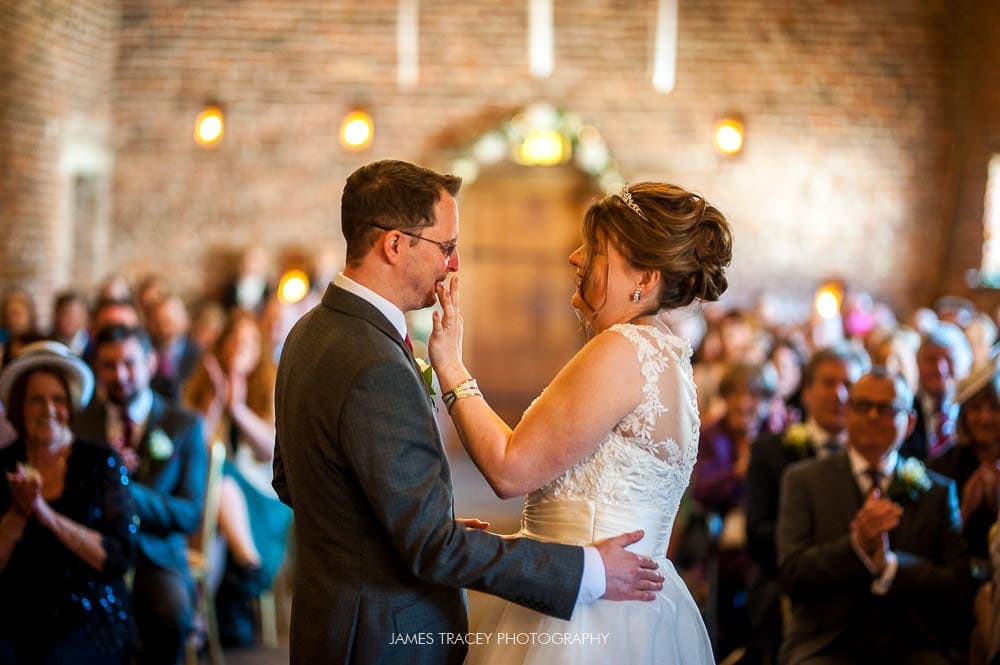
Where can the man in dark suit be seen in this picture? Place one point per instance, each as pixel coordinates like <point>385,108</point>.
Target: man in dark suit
<point>381,558</point>
<point>164,448</point>
<point>176,352</point>
<point>944,357</point>
<point>826,379</point>
<point>870,545</point>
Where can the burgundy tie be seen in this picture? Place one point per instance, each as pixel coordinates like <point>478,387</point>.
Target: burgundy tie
<point>409,342</point>
<point>876,477</point>
<point>128,431</point>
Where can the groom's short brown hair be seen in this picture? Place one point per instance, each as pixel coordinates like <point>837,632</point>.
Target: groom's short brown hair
<point>391,194</point>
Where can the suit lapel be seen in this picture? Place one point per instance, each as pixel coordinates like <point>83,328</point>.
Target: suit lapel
<point>342,301</point>
<point>847,487</point>
<point>153,422</point>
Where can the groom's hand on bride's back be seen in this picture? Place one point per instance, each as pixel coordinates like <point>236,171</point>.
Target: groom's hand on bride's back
<point>629,576</point>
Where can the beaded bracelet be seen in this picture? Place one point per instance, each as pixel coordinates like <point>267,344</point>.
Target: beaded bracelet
<point>467,388</point>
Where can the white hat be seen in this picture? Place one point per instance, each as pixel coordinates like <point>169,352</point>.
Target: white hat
<point>980,375</point>
<point>50,354</point>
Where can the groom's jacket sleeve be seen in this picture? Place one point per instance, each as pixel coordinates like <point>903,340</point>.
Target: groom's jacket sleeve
<point>388,436</point>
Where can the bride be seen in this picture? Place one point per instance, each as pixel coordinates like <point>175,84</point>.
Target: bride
<point>610,444</point>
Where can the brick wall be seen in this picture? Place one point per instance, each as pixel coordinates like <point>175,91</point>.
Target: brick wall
<point>56,71</point>
<point>851,110</point>
<point>977,123</point>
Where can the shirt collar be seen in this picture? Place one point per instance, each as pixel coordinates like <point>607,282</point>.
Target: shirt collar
<point>389,310</point>
<point>859,464</point>
<point>820,437</point>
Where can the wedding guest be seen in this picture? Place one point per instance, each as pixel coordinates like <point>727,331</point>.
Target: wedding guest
<point>897,352</point>
<point>826,379</point>
<point>68,526</point>
<point>176,353</point>
<point>209,318</point>
<point>18,324</point>
<point>858,596</point>
<point>788,361</point>
<point>69,322</point>
<point>982,335</point>
<point>719,485</point>
<point>163,447</point>
<point>973,462</point>
<point>944,357</point>
<point>233,389</point>
<point>110,312</point>
<point>251,284</point>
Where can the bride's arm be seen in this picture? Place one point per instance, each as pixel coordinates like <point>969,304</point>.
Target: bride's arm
<point>589,396</point>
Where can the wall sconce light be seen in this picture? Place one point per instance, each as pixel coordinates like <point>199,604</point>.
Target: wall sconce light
<point>209,127</point>
<point>357,130</point>
<point>729,136</point>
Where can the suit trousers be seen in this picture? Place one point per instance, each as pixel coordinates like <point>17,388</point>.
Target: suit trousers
<point>164,612</point>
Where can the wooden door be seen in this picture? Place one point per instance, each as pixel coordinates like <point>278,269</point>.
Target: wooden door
<point>518,227</point>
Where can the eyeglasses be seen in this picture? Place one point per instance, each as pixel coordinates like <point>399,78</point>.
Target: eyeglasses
<point>882,409</point>
<point>447,248</point>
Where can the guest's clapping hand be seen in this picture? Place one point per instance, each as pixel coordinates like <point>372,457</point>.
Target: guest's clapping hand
<point>25,489</point>
<point>871,526</point>
<point>981,489</point>
<point>236,391</point>
<point>130,458</point>
<point>445,343</point>
<point>215,374</point>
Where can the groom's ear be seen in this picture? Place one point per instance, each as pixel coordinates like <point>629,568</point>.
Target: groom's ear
<point>389,246</point>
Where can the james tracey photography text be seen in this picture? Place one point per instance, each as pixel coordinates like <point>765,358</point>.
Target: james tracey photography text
<point>499,639</point>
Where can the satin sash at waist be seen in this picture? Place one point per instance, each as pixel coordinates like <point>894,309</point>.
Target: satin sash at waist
<point>581,522</point>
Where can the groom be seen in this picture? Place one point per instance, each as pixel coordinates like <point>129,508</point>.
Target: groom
<point>381,559</point>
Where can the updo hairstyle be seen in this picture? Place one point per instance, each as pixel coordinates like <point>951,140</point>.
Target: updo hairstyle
<point>679,233</point>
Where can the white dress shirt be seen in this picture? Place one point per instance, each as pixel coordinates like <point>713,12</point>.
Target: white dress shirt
<point>859,468</point>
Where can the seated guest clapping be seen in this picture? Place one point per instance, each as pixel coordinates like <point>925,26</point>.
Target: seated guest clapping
<point>973,462</point>
<point>870,545</point>
<point>68,529</point>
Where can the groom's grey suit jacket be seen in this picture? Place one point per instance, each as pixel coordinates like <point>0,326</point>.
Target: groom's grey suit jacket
<point>833,607</point>
<point>359,458</point>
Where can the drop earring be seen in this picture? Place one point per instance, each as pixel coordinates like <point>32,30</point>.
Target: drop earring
<point>637,293</point>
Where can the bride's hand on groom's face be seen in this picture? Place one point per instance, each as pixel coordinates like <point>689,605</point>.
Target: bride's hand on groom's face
<point>445,343</point>
<point>629,576</point>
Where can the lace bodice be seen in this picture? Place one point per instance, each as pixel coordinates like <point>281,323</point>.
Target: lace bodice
<point>646,460</point>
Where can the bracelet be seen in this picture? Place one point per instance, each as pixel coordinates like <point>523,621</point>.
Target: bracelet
<point>467,388</point>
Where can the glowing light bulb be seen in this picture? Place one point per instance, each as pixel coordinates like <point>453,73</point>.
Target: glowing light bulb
<point>827,303</point>
<point>545,148</point>
<point>293,286</point>
<point>357,130</point>
<point>209,127</point>
<point>729,136</point>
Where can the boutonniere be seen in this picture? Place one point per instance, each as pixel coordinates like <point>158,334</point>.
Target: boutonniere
<point>427,374</point>
<point>796,439</point>
<point>160,445</point>
<point>909,481</point>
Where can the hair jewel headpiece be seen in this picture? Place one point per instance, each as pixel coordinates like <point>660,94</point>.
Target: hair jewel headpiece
<point>626,197</point>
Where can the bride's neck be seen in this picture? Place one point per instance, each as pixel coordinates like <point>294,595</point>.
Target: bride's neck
<point>653,320</point>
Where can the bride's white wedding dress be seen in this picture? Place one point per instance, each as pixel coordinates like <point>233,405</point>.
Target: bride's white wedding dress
<point>633,480</point>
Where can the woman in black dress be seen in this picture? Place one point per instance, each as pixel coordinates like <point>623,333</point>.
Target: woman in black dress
<point>67,523</point>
